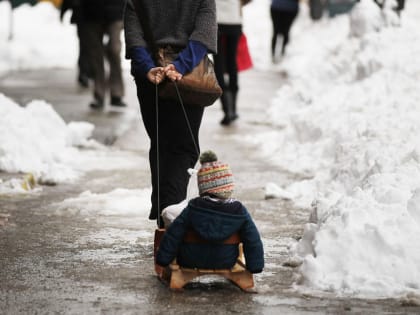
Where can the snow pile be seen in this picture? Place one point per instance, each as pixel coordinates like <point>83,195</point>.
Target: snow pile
<point>366,17</point>
<point>119,202</point>
<point>36,139</point>
<point>39,38</point>
<point>273,191</point>
<point>349,119</point>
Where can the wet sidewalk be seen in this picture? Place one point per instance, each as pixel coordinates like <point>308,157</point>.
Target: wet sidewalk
<point>68,264</point>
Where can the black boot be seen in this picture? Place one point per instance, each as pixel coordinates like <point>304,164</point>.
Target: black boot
<point>83,80</point>
<point>117,101</point>
<point>226,100</point>
<point>97,103</point>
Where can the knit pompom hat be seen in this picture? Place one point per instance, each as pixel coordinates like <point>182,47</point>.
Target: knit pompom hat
<point>214,177</point>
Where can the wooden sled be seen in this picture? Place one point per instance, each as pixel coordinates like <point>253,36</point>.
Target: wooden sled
<point>177,277</point>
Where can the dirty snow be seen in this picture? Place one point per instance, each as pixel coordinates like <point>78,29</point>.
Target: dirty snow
<point>18,186</point>
<point>31,47</point>
<point>45,42</point>
<point>118,202</point>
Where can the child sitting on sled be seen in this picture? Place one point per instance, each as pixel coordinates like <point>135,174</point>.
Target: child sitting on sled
<point>214,217</point>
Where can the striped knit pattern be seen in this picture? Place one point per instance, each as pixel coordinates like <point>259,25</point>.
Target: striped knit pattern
<point>215,178</point>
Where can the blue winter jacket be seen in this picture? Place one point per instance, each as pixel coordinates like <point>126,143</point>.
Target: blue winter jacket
<point>285,5</point>
<point>214,222</point>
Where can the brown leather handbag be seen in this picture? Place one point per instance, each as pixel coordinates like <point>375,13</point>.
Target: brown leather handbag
<point>198,87</point>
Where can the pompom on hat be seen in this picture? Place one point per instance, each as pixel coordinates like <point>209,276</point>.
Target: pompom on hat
<point>214,177</point>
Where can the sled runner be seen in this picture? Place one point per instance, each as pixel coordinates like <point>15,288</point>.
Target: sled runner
<point>177,277</point>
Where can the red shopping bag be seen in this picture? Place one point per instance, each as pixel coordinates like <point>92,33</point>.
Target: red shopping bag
<point>243,57</point>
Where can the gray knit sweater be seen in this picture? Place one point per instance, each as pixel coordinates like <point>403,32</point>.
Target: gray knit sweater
<point>173,22</point>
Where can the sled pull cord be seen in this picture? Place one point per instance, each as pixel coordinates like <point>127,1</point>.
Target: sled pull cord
<point>186,119</point>
<point>157,139</point>
<point>157,153</point>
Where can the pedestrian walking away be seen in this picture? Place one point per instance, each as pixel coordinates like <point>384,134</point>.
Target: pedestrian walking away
<point>189,26</point>
<point>214,216</point>
<point>104,18</point>
<point>283,14</point>
<point>77,17</point>
<point>229,24</point>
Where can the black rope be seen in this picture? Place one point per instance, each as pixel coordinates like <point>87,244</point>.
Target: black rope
<point>157,138</point>
<point>186,118</point>
<point>157,153</point>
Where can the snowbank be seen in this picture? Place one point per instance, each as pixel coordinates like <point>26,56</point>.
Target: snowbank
<point>349,119</point>
<point>40,39</point>
<point>35,139</point>
<point>41,43</point>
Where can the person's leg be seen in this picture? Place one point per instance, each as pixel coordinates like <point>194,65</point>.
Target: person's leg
<point>219,60</point>
<point>85,72</point>
<point>94,38</point>
<point>400,6</point>
<point>276,19</point>
<point>226,100</point>
<point>146,97</point>
<point>219,69</point>
<point>232,41</point>
<point>113,50</point>
<point>179,149</point>
<point>287,19</point>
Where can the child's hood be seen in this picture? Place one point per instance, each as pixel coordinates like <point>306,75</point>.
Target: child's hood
<point>216,223</point>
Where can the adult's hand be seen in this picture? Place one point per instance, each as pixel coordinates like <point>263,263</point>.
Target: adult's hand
<point>172,73</point>
<point>156,75</point>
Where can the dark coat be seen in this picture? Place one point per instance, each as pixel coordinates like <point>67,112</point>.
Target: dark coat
<point>75,6</point>
<point>215,222</point>
<point>103,11</point>
<point>285,5</point>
